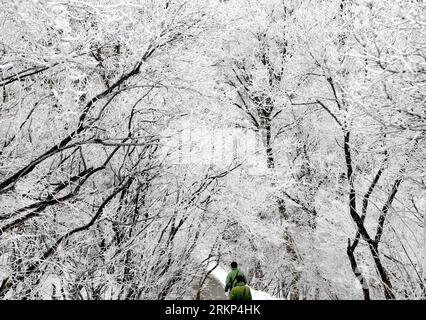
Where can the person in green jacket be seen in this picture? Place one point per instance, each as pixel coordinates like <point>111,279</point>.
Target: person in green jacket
<point>240,292</point>
<point>231,279</point>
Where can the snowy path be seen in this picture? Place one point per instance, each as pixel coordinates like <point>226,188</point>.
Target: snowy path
<point>213,290</point>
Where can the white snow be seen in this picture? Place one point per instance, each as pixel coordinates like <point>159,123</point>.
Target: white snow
<point>6,66</point>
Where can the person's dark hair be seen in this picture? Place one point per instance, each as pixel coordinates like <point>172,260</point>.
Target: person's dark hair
<point>239,278</point>
<point>234,264</point>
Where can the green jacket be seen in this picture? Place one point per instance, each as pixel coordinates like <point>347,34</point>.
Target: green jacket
<point>240,292</point>
<point>231,278</point>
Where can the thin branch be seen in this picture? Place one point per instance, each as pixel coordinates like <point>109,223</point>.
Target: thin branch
<point>329,112</point>
<point>385,209</point>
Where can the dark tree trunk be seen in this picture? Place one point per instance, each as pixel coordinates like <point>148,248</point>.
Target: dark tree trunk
<point>354,265</point>
<point>269,153</point>
<point>381,270</point>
